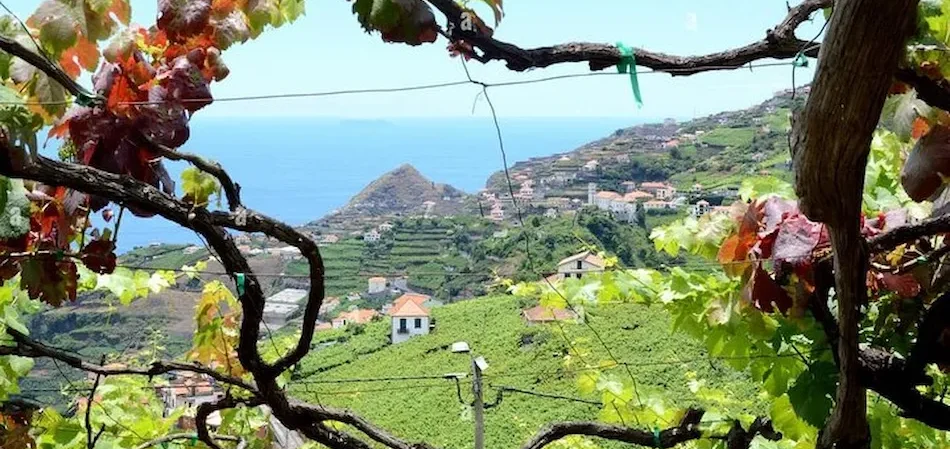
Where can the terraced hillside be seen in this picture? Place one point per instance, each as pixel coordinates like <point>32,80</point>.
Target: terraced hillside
<point>529,357</point>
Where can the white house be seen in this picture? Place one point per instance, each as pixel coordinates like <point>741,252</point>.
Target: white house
<point>377,284</point>
<point>409,317</point>
<point>371,236</point>
<point>591,165</point>
<point>578,264</point>
<point>386,227</point>
<point>624,207</point>
<point>700,208</point>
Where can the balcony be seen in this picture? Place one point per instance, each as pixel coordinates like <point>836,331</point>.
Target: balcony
<point>402,330</point>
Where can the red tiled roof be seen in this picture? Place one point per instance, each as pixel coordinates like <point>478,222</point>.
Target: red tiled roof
<point>401,306</point>
<point>408,308</point>
<point>586,256</point>
<point>358,316</point>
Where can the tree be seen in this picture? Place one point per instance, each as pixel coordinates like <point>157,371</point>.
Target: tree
<point>152,80</point>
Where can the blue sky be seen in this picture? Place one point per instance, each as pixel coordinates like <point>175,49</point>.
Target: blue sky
<point>327,50</point>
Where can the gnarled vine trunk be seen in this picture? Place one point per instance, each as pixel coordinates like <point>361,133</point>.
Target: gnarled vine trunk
<point>832,137</point>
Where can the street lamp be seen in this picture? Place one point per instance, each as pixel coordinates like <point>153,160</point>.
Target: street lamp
<point>479,364</point>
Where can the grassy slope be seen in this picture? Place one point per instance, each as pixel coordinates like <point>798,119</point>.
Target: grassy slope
<point>428,410</point>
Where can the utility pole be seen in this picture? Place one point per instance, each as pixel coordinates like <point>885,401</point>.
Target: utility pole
<point>479,406</point>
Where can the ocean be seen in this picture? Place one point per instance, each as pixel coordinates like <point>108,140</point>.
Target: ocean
<point>299,169</point>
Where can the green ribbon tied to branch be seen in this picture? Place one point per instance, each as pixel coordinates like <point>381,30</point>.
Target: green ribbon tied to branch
<point>800,60</point>
<point>628,64</point>
<point>239,283</point>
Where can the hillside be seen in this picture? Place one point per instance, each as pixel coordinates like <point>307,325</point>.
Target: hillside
<point>716,151</point>
<point>519,355</point>
<point>402,191</point>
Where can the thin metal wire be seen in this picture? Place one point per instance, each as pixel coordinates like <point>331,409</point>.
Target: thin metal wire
<point>386,90</point>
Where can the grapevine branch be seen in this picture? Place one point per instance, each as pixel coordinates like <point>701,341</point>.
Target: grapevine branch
<point>182,436</point>
<point>687,430</point>
<point>14,48</point>
<point>27,347</point>
<point>779,43</point>
<point>232,191</point>
<point>91,439</point>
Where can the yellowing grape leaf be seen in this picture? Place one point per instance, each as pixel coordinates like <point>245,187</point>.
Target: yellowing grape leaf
<point>198,186</point>
<point>496,8</point>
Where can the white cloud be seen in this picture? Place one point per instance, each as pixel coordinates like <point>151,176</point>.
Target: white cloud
<point>691,22</point>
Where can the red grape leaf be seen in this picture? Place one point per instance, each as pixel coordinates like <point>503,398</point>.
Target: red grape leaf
<point>765,294</point>
<point>99,256</point>
<point>181,19</point>
<point>230,29</point>
<point>48,280</point>
<point>797,238</point>
<point>930,158</point>
<point>904,285</point>
<point>920,128</point>
<point>83,55</point>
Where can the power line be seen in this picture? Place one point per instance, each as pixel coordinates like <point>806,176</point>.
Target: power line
<point>386,90</point>
<point>545,374</point>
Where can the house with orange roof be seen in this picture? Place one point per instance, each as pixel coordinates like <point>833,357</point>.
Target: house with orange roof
<point>580,263</point>
<point>358,316</point>
<point>541,314</point>
<point>410,316</point>
<point>660,190</point>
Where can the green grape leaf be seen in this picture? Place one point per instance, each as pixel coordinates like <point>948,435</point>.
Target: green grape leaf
<point>761,187</point>
<point>261,13</point>
<point>199,186</point>
<point>59,22</point>
<point>785,420</point>
<point>292,9</point>
<point>811,396</point>
<point>406,21</point>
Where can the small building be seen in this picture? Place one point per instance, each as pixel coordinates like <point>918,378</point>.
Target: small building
<point>700,208</point>
<point>578,264</point>
<point>628,186</point>
<point>410,317</point>
<point>377,284</point>
<point>660,190</point>
<point>330,239</point>
<point>386,227</point>
<point>371,236</point>
<point>329,303</point>
<point>637,196</point>
<point>591,165</point>
<point>541,314</point>
<point>657,205</point>
<point>497,213</point>
<point>189,389</point>
<point>358,316</point>
<point>279,306</point>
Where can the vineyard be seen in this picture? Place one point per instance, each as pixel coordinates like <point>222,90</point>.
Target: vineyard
<point>523,356</point>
